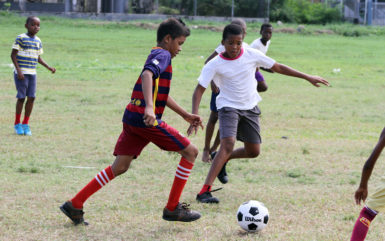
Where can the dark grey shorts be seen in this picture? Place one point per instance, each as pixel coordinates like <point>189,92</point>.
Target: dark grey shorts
<point>242,124</point>
<point>26,87</point>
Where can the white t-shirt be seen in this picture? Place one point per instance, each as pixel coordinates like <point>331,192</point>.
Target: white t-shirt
<point>257,44</point>
<point>221,47</point>
<point>236,78</point>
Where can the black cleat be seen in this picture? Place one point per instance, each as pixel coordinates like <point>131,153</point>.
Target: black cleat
<point>206,197</point>
<point>182,213</point>
<point>222,175</point>
<point>76,215</point>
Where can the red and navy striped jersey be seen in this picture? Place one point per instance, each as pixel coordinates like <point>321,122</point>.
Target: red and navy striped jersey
<point>159,63</point>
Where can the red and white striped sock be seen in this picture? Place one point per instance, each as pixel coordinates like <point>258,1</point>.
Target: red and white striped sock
<point>101,179</point>
<point>182,173</point>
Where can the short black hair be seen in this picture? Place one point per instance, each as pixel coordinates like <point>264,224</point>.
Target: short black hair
<point>29,19</point>
<point>266,25</point>
<point>239,21</point>
<point>232,29</point>
<point>174,27</point>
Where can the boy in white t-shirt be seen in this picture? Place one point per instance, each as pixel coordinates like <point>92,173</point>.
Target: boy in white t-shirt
<point>262,44</point>
<point>233,72</point>
<point>209,152</point>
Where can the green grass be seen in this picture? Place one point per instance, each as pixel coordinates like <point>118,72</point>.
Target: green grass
<point>306,179</point>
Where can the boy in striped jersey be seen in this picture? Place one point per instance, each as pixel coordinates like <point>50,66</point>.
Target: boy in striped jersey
<point>25,55</point>
<point>142,124</point>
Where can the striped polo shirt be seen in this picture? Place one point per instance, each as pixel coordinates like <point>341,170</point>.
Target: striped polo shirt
<point>29,49</point>
<point>159,63</point>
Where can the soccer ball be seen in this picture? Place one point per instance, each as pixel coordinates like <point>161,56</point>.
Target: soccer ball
<point>252,216</point>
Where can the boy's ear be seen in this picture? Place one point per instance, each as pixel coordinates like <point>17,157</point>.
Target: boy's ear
<point>223,42</point>
<point>167,38</point>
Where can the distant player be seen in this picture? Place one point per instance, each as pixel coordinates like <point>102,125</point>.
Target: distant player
<point>25,55</point>
<point>142,124</point>
<point>234,73</point>
<point>262,44</point>
<point>376,201</point>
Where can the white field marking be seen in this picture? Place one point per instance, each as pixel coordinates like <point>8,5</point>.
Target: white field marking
<point>79,167</point>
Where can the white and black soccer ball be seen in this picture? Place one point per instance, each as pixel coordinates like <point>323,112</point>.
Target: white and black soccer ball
<point>252,216</point>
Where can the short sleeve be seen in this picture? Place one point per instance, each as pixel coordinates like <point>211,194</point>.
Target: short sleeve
<point>263,60</point>
<point>207,74</point>
<point>158,63</point>
<point>40,51</point>
<point>17,43</point>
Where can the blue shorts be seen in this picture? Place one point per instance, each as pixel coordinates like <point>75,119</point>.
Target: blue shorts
<point>26,87</point>
<point>259,76</point>
<point>213,101</point>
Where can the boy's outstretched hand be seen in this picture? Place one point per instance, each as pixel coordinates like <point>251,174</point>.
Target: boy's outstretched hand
<point>52,69</point>
<point>361,194</point>
<point>195,121</point>
<point>316,80</point>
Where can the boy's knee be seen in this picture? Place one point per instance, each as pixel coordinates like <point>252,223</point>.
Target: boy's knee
<point>31,99</point>
<point>193,151</point>
<point>120,169</point>
<point>21,100</point>
<point>253,153</point>
<point>190,153</point>
<point>227,146</point>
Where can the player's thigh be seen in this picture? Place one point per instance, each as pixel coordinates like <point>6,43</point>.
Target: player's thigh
<point>248,127</point>
<point>21,87</point>
<point>167,137</point>
<point>228,122</point>
<point>130,142</point>
<point>31,88</point>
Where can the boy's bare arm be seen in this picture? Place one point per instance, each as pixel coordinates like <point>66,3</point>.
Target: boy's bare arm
<point>149,115</point>
<point>362,191</point>
<point>286,70</point>
<point>42,62</point>
<point>197,97</point>
<point>20,74</point>
<point>196,100</point>
<point>171,103</point>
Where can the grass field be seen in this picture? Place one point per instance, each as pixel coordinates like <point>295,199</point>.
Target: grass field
<point>307,180</point>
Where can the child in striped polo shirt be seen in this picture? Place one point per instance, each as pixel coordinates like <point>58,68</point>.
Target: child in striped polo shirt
<point>25,55</point>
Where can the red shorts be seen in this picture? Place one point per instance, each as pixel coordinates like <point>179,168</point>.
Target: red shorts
<point>133,139</point>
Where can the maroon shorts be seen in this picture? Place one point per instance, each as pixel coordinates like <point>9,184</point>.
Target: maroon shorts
<point>133,139</point>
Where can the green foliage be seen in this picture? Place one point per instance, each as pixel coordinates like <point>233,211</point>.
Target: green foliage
<point>167,10</point>
<point>303,11</point>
